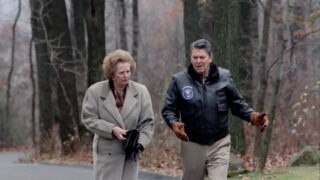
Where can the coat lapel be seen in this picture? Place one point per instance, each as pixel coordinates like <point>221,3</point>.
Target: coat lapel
<point>130,101</point>
<point>110,105</point>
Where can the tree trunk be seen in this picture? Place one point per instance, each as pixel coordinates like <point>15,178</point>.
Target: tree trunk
<point>60,50</point>
<point>33,99</point>
<point>78,30</point>
<point>206,20</point>
<point>122,24</point>
<point>135,35</point>
<point>288,97</point>
<point>192,29</point>
<point>258,142</point>
<point>96,39</point>
<point>267,138</point>
<point>79,50</point>
<point>2,119</point>
<point>13,48</point>
<point>299,12</point>
<point>283,33</point>
<point>43,73</point>
<point>298,56</point>
<point>248,37</point>
<point>226,54</point>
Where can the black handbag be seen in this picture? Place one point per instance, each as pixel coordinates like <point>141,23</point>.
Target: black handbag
<point>132,138</point>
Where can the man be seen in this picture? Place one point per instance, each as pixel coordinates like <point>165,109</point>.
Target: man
<point>201,96</point>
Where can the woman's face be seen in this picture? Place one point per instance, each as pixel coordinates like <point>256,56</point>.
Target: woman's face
<point>122,75</point>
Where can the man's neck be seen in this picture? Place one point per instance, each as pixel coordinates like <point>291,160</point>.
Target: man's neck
<point>204,74</point>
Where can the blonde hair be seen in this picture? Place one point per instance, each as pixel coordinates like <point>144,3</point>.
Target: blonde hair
<point>112,59</point>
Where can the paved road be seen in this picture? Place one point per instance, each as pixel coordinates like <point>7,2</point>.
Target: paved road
<point>11,170</point>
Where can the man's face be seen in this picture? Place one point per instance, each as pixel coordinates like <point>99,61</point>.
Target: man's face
<point>200,61</point>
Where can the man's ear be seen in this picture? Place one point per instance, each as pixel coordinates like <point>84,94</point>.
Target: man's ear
<point>211,57</point>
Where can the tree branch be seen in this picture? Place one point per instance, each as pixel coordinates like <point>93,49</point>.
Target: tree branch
<point>261,4</point>
<point>291,47</point>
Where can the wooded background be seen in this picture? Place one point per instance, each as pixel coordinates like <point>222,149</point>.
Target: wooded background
<point>52,50</point>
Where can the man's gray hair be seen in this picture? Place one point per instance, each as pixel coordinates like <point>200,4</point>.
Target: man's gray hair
<point>201,44</point>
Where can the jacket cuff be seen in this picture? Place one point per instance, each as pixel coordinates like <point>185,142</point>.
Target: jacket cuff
<point>251,117</point>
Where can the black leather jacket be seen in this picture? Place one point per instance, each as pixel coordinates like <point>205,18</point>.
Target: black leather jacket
<point>203,104</point>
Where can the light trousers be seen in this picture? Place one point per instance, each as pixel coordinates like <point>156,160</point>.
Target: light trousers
<point>199,160</point>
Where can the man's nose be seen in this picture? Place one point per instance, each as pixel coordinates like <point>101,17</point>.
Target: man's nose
<point>198,60</point>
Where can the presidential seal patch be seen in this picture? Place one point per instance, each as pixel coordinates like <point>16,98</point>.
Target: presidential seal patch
<point>187,92</point>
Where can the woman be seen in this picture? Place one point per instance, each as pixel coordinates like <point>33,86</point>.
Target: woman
<point>111,108</point>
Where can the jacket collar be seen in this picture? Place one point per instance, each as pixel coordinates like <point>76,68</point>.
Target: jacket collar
<point>107,89</point>
<point>212,76</point>
<point>129,102</point>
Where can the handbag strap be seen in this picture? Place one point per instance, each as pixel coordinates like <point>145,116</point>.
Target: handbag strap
<point>144,123</point>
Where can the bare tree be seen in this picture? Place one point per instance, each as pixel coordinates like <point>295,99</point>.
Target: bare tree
<point>44,72</point>
<point>192,28</point>
<point>263,81</point>
<point>281,35</point>
<point>135,34</point>
<point>283,32</point>
<point>78,30</point>
<point>80,55</point>
<point>248,37</point>
<point>33,99</point>
<point>121,4</point>
<point>6,124</point>
<point>226,48</point>
<point>53,22</point>
<point>94,15</point>
<point>60,51</point>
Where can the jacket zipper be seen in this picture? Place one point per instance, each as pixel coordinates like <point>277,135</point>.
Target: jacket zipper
<point>204,104</point>
<point>98,144</point>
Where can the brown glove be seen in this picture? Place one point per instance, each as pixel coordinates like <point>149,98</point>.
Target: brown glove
<point>178,129</point>
<point>260,120</point>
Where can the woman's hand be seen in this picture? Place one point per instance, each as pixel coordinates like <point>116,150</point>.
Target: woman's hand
<point>119,133</point>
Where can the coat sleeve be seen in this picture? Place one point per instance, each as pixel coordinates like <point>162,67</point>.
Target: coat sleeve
<point>170,108</point>
<point>91,118</point>
<point>146,113</point>
<point>237,104</point>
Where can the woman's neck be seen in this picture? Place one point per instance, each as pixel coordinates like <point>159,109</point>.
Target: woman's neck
<point>119,88</point>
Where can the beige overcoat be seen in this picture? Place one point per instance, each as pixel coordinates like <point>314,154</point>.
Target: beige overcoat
<point>100,114</point>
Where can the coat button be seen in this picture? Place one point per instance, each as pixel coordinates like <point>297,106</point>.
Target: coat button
<point>109,154</point>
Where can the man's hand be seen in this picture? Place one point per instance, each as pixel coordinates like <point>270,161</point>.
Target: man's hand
<point>178,129</point>
<point>119,133</point>
<point>260,120</point>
